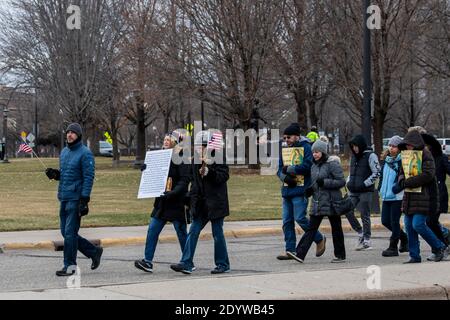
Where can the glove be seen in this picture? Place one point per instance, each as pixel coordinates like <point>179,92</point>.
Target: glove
<point>398,187</point>
<point>284,170</point>
<point>84,208</point>
<point>143,167</point>
<point>309,192</point>
<point>166,196</point>
<point>291,181</point>
<point>320,182</point>
<point>53,174</point>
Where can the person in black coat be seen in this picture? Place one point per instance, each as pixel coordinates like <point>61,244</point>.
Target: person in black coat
<point>168,208</point>
<point>209,203</point>
<point>442,169</point>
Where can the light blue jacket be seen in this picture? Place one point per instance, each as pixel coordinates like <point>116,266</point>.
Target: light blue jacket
<point>389,177</point>
<point>77,166</point>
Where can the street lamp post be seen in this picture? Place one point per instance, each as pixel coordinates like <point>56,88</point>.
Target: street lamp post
<point>5,134</point>
<point>366,124</point>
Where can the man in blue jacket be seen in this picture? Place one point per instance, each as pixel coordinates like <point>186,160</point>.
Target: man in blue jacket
<point>295,204</point>
<point>76,177</point>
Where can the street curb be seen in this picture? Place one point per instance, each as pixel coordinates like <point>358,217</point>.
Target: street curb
<point>435,292</point>
<point>113,242</point>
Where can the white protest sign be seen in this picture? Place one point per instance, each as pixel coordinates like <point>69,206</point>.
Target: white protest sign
<point>154,178</point>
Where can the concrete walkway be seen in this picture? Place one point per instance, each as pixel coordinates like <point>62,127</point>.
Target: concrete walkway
<point>416,281</point>
<point>120,236</point>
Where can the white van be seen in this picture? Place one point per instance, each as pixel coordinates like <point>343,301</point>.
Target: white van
<point>105,149</point>
<point>445,143</point>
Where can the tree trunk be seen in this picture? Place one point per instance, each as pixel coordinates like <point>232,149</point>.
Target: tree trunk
<point>140,140</point>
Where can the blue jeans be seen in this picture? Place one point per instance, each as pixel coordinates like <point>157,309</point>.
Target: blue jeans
<point>417,224</point>
<point>220,245</point>
<point>445,231</point>
<point>154,230</point>
<point>70,225</point>
<point>294,210</point>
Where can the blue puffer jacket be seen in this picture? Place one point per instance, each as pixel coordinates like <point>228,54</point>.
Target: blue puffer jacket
<point>77,166</point>
<point>389,176</point>
<point>304,170</point>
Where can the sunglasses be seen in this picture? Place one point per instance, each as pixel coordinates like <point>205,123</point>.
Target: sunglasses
<point>287,137</point>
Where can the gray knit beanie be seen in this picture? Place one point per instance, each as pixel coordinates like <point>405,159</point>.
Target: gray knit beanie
<point>395,141</point>
<point>320,146</point>
<point>75,127</point>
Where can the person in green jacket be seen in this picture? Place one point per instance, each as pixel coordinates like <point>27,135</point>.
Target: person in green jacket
<point>313,136</point>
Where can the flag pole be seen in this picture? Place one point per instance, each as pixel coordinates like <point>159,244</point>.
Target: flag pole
<point>45,167</point>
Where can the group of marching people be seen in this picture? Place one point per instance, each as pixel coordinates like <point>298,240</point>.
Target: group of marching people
<point>319,176</point>
<point>324,179</point>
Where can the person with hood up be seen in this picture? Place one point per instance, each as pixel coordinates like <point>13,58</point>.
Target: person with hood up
<point>418,206</point>
<point>169,207</point>
<point>295,204</point>
<point>392,203</point>
<point>364,172</point>
<point>442,170</point>
<point>328,178</point>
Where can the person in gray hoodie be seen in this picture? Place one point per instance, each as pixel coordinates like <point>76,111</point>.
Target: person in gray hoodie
<point>364,172</point>
<point>327,179</point>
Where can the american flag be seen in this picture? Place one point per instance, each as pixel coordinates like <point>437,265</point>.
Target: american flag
<point>25,148</point>
<point>216,141</point>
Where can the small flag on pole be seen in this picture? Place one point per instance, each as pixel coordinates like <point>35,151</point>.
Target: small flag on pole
<point>25,148</point>
<point>216,141</point>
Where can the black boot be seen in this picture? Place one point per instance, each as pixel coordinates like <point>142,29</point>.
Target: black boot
<point>403,243</point>
<point>392,251</point>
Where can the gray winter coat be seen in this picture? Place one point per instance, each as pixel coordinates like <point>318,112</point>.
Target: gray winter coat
<point>330,170</point>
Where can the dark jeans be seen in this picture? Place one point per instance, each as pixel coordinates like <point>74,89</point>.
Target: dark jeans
<point>220,245</point>
<point>363,203</point>
<point>308,238</point>
<point>155,227</point>
<point>390,218</point>
<point>435,226</point>
<point>70,225</point>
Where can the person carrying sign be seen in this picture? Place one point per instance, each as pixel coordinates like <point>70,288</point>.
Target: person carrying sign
<point>169,207</point>
<point>296,178</point>
<point>420,199</point>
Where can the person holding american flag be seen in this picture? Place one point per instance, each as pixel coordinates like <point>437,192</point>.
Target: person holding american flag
<point>209,203</point>
<point>76,178</point>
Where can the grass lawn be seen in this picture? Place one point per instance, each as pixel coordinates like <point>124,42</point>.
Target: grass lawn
<point>28,199</point>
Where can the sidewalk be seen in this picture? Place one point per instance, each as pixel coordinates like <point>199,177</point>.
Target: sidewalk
<point>417,281</point>
<point>121,236</point>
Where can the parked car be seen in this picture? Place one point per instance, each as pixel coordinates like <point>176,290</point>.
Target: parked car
<point>445,143</point>
<point>105,149</point>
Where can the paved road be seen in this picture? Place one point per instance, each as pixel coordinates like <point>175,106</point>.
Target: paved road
<point>34,270</point>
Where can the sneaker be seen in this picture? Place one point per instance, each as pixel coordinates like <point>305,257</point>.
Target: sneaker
<point>432,257</point>
<point>63,273</point>
<point>338,260</point>
<point>180,268</point>
<point>144,266</point>
<point>360,243</point>
<point>285,256</point>
<point>96,260</point>
<point>364,246</point>
<point>439,255</point>
<point>412,261</point>
<point>293,256</point>
<point>219,270</point>
<point>320,249</point>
